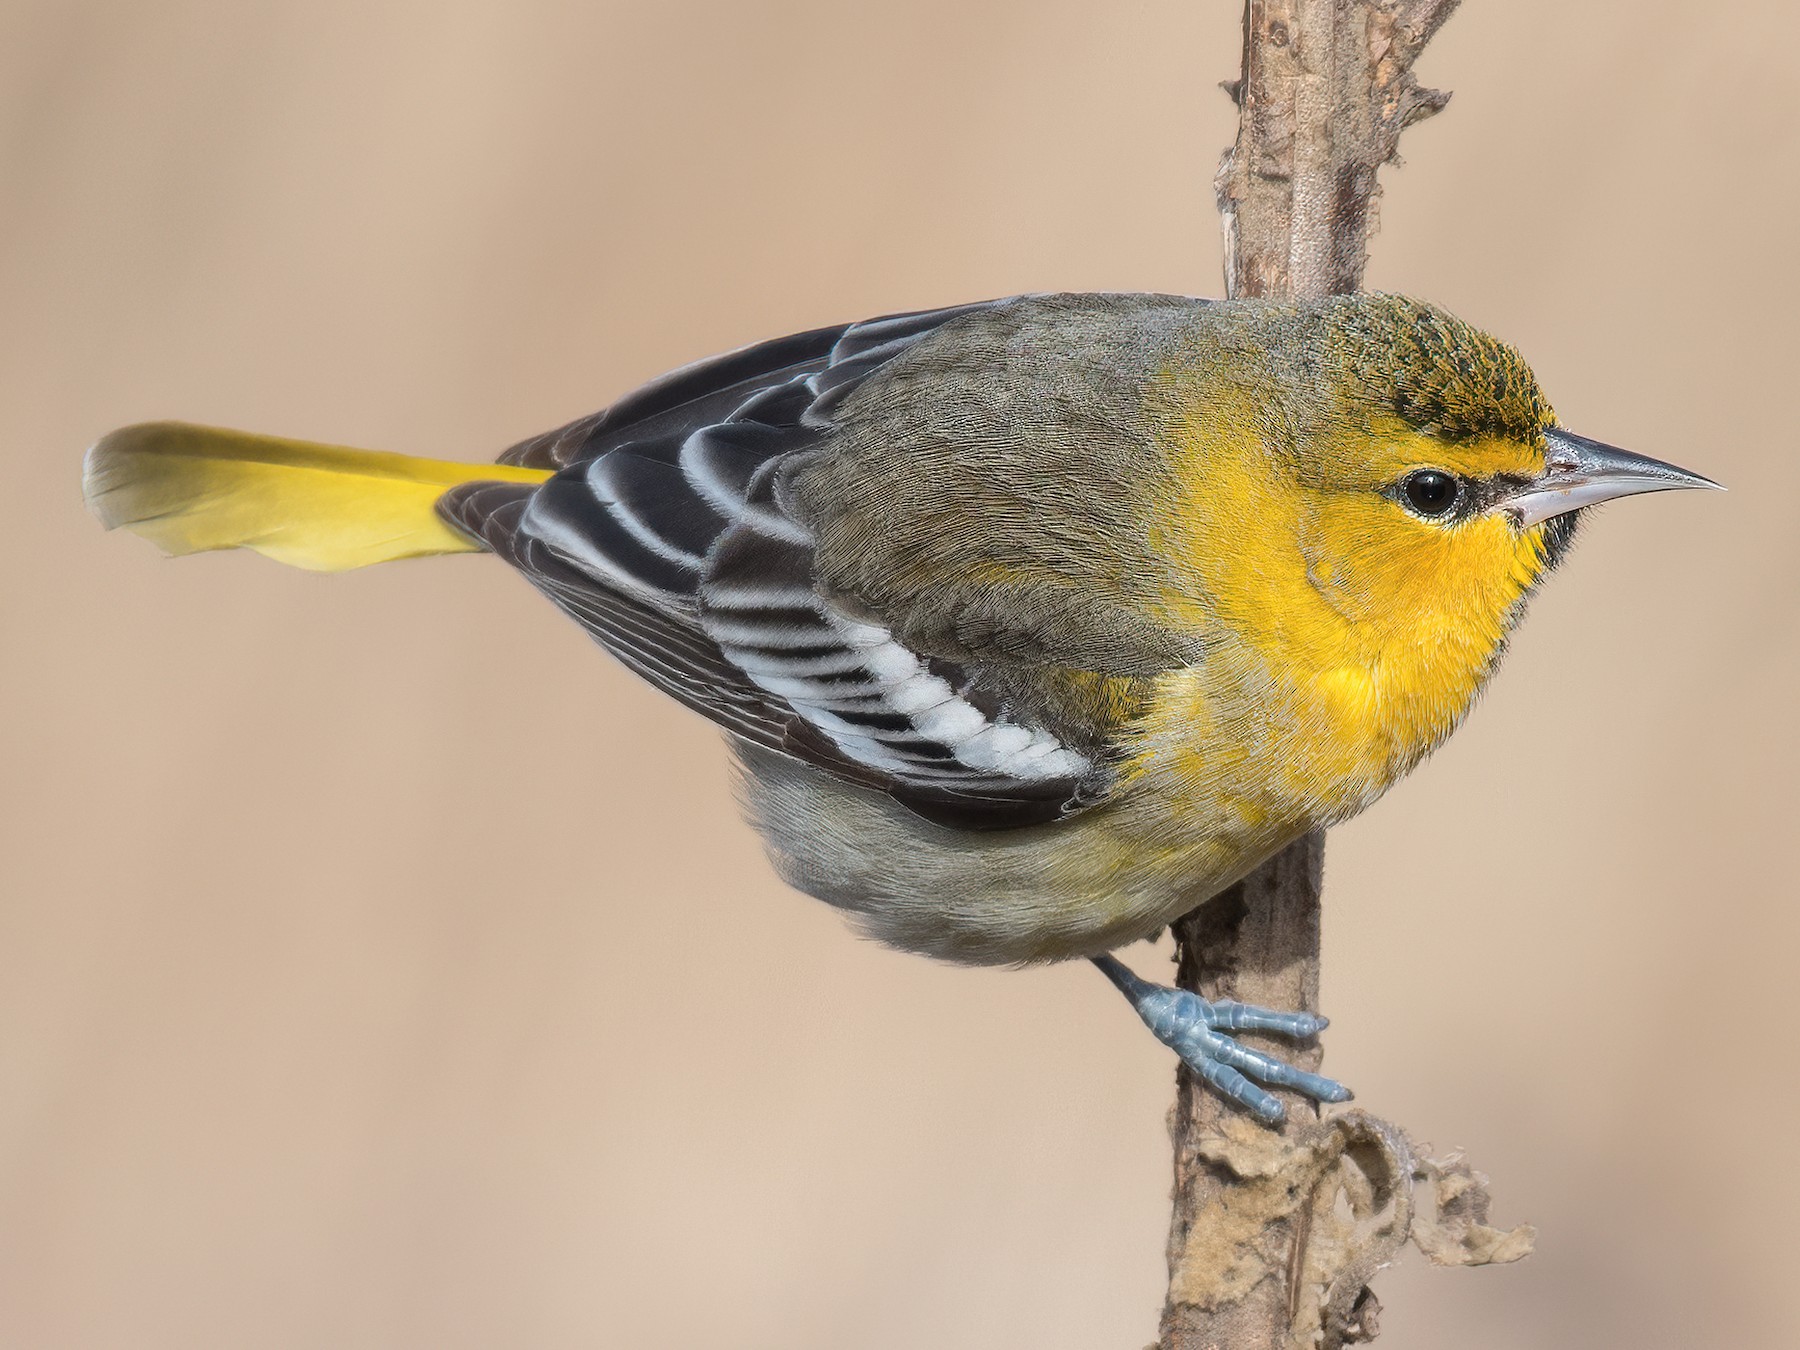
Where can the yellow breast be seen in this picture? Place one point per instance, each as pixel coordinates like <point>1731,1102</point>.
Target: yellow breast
<point>1346,640</point>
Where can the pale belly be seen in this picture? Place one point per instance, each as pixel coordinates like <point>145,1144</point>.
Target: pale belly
<point>1109,876</point>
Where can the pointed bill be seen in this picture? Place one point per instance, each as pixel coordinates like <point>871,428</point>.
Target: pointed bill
<point>1579,472</point>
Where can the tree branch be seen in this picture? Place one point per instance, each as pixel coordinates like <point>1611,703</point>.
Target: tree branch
<point>1275,1234</point>
<point>1326,90</point>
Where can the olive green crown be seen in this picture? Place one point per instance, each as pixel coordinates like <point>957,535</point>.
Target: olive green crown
<point>1435,371</point>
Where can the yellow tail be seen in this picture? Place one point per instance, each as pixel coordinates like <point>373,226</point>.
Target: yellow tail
<point>323,507</point>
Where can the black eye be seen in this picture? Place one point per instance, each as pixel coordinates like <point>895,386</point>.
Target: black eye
<point>1431,492</point>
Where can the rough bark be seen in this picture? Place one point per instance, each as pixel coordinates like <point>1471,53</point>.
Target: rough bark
<point>1327,87</point>
<point>1276,1234</point>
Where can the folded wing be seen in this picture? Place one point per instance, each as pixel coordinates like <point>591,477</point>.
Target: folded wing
<point>662,533</point>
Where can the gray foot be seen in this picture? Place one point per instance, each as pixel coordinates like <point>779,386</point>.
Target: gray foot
<point>1196,1030</point>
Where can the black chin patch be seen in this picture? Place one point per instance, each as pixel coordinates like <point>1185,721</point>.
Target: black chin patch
<point>1558,535</point>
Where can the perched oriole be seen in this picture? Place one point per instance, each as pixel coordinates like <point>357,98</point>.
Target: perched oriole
<point>1028,621</point>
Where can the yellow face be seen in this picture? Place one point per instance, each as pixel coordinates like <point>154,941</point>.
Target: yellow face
<point>1402,536</point>
<point>1374,536</point>
<point>1360,493</point>
<point>1372,576</point>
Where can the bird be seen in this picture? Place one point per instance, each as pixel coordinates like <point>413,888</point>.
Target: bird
<point>1028,621</point>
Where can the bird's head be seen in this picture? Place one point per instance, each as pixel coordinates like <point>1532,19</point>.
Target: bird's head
<point>1370,482</point>
<point>1429,442</point>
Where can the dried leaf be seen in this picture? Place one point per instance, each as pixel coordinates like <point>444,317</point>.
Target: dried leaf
<point>1452,1228</point>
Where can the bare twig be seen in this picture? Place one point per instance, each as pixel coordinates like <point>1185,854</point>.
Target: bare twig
<point>1275,1235</point>
<point>1327,88</point>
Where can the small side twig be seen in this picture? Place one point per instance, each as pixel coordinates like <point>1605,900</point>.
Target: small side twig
<point>1275,1235</point>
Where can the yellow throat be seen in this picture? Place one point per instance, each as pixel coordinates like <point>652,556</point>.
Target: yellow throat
<point>1347,636</point>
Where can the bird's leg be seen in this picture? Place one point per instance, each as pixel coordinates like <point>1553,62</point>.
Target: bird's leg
<point>1196,1029</point>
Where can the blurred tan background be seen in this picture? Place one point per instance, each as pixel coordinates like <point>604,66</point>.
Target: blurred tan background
<point>381,966</point>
